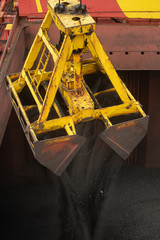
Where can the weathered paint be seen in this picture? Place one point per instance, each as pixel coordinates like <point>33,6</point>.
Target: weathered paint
<point>124,137</point>
<point>140,9</point>
<point>102,8</point>
<point>56,154</point>
<point>32,8</point>
<point>39,7</point>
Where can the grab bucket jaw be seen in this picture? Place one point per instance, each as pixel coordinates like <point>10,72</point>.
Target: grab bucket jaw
<point>56,154</point>
<point>124,137</point>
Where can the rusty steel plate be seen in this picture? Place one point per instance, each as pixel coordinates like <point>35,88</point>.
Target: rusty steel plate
<point>124,137</point>
<point>57,153</point>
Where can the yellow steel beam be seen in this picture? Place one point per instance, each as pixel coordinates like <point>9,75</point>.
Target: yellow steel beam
<point>52,125</point>
<point>19,84</point>
<point>46,75</point>
<point>89,67</point>
<point>18,106</point>
<point>122,109</point>
<point>85,115</point>
<point>105,91</point>
<point>137,103</point>
<point>77,61</point>
<point>100,55</point>
<point>70,128</point>
<point>54,52</point>
<point>37,44</point>
<point>55,79</point>
<point>36,95</point>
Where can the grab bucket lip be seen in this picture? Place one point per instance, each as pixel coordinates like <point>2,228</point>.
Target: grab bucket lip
<point>125,136</point>
<point>57,153</point>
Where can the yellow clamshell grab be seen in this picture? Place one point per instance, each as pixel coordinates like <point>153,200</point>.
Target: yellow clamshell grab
<point>54,91</point>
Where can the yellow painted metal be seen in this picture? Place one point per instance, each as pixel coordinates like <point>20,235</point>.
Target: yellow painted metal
<point>140,8</point>
<point>77,100</point>
<point>8,27</point>
<point>77,61</point>
<point>38,42</point>
<point>69,127</point>
<point>105,91</point>
<point>39,7</point>
<point>37,97</point>
<point>100,55</point>
<point>19,108</point>
<point>89,66</point>
<point>55,79</point>
<point>67,77</point>
<point>43,35</point>
<point>71,24</point>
